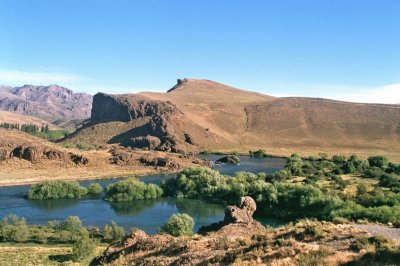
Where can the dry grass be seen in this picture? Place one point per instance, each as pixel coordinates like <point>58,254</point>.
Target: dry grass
<point>32,254</point>
<point>242,120</point>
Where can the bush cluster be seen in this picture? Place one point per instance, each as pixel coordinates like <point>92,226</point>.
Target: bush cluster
<point>132,189</point>
<point>292,200</point>
<point>180,224</point>
<point>59,189</point>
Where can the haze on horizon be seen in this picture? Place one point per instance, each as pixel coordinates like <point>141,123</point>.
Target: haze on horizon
<point>344,50</point>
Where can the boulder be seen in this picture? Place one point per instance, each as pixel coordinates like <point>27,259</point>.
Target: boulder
<point>79,159</point>
<point>149,142</point>
<point>242,212</point>
<point>239,215</point>
<point>231,159</point>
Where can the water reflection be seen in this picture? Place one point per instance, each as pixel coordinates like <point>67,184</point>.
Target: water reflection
<point>147,215</point>
<point>134,207</point>
<point>199,209</point>
<point>52,205</point>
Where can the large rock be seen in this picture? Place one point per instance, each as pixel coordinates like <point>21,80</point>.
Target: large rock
<point>139,248</point>
<point>149,142</point>
<point>237,216</point>
<point>230,159</point>
<point>158,120</point>
<point>242,212</point>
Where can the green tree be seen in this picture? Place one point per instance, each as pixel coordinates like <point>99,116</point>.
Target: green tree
<point>378,161</point>
<point>56,189</point>
<point>94,188</point>
<point>132,189</point>
<point>113,232</point>
<point>14,229</point>
<point>83,248</point>
<point>180,224</point>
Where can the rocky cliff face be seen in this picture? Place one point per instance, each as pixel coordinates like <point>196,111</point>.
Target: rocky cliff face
<point>125,108</point>
<point>51,103</point>
<point>157,124</point>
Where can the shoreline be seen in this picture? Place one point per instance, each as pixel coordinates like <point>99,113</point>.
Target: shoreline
<point>89,178</point>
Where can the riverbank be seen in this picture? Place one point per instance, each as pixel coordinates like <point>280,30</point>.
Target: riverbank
<point>28,177</point>
<point>108,162</point>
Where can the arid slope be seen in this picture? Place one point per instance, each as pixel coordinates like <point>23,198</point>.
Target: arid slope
<point>282,125</point>
<point>16,118</point>
<point>204,115</point>
<point>27,159</point>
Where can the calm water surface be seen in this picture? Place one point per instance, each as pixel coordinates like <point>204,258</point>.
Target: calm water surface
<point>147,215</point>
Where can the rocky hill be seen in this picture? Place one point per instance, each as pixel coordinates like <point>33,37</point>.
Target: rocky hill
<point>204,115</point>
<point>240,240</point>
<point>54,104</point>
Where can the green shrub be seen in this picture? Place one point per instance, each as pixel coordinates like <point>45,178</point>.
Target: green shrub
<point>372,172</point>
<point>83,248</point>
<point>82,146</point>
<point>259,153</point>
<point>52,134</point>
<point>14,229</point>
<point>180,224</point>
<point>94,188</point>
<point>378,161</point>
<point>57,189</point>
<point>388,180</point>
<point>393,168</point>
<point>113,232</point>
<point>72,224</point>
<point>132,189</point>
<point>338,159</point>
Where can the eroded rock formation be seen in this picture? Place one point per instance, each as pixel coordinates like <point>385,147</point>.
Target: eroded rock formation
<point>138,248</point>
<point>157,130</point>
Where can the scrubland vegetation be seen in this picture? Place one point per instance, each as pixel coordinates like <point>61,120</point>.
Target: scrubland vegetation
<point>180,224</point>
<point>59,189</point>
<point>312,187</point>
<point>83,146</point>
<point>70,233</point>
<point>132,189</point>
<point>42,132</point>
<point>336,189</point>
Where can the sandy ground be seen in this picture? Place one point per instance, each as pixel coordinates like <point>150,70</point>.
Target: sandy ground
<point>376,229</point>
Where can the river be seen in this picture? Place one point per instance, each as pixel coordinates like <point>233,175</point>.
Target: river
<point>147,215</point>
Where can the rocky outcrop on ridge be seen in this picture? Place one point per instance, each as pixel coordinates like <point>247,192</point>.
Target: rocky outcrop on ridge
<point>159,121</point>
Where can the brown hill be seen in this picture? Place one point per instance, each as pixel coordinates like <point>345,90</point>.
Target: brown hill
<point>16,118</point>
<point>199,114</point>
<point>27,159</point>
<point>54,104</point>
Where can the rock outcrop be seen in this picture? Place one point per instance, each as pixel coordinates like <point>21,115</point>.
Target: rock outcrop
<point>157,127</point>
<point>238,224</point>
<point>35,153</point>
<point>242,212</point>
<point>231,159</point>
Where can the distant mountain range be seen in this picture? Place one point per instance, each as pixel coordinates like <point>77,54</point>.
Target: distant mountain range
<point>53,103</point>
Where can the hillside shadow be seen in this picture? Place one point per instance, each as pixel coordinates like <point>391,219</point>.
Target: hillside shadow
<point>125,138</point>
<point>60,258</point>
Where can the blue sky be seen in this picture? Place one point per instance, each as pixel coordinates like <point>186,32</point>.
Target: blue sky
<point>340,49</point>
